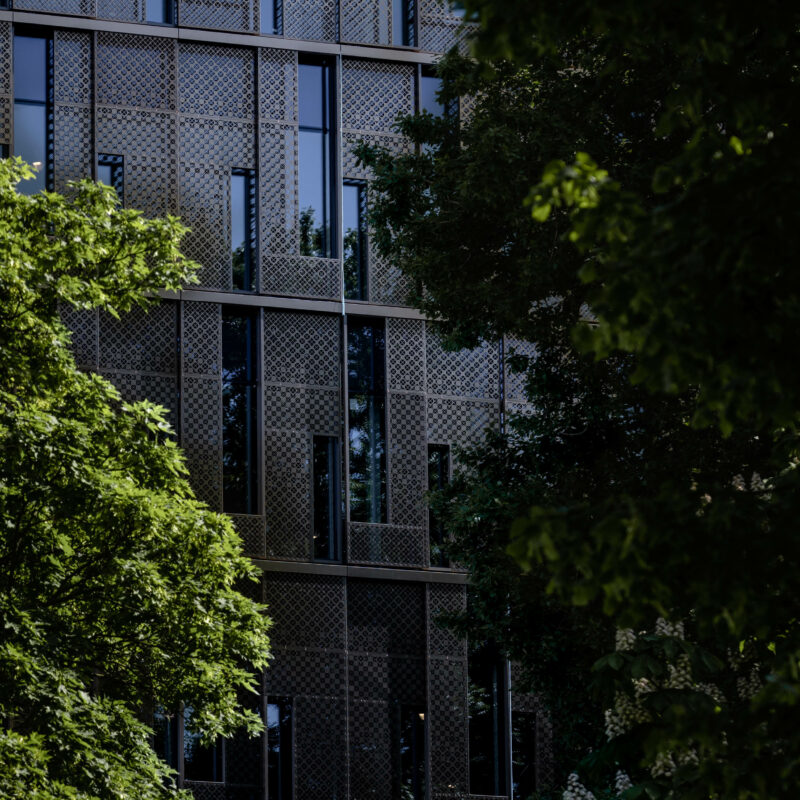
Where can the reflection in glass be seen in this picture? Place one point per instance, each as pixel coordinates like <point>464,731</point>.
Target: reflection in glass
<point>165,737</point>
<point>403,22</point>
<point>487,721</point>
<point>201,762</point>
<point>159,11</point>
<point>110,172</point>
<point>33,117</point>
<point>279,749</point>
<point>270,17</point>
<point>438,478</point>
<point>366,364</point>
<point>239,411</point>
<point>355,240</point>
<point>429,85</point>
<point>314,159</point>
<point>409,774</point>
<point>327,495</point>
<point>243,235</point>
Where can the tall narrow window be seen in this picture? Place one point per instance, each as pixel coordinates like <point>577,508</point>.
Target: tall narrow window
<point>404,22</point>
<point>271,17</point>
<point>429,86</point>
<point>3,151</point>
<point>438,478</point>
<point>110,171</point>
<point>201,762</point>
<point>315,162</point>
<point>366,366</point>
<point>409,771</point>
<point>354,207</point>
<point>243,229</point>
<point>487,721</point>
<point>165,737</point>
<point>279,749</point>
<point>33,108</point>
<point>240,411</point>
<point>160,12</point>
<point>327,498</point>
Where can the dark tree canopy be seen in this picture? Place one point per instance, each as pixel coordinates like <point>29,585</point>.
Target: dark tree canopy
<point>620,196</point>
<point>117,588</point>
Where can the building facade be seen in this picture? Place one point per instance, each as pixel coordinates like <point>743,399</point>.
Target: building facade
<point>313,405</point>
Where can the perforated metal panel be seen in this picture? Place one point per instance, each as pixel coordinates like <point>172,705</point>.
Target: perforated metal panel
<point>367,21</point>
<point>125,10</point>
<point>82,7</point>
<point>447,682</point>
<point>310,19</point>
<point>231,15</point>
<point>439,29</point>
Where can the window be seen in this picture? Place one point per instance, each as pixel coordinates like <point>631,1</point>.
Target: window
<point>110,171</point>
<point>315,159</point>
<point>409,771</point>
<point>487,721</point>
<point>165,737</point>
<point>404,23</point>
<point>243,229</point>
<point>33,108</point>
<point>280,781</point>
<point>429,86</point>
<point>366,379</point>
<point>327,498</point>
<point>240,383</point>
<point>3,151</point>
<point>160,12</point>
<point>201,762</point>
<point>271,17</point>
<point>438,478</point>
<point>354,212</point>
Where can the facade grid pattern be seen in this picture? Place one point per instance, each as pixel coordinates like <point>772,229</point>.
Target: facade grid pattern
<point>351,652</point>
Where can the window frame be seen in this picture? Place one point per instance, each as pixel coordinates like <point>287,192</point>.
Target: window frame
<point>250,278</point>
<point>116,163</point>
<point>334,504</point>
<point>362,265</point>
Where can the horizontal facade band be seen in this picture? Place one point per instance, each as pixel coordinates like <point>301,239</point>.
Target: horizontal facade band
<point>349,571</point>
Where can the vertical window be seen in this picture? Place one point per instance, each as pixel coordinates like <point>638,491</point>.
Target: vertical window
<point>429,86</point>
<point>438,478</point>
<point>33,108</point>
<point>487,721</point>
<point>201,762</point>
<point>243,229</point>
<point>366,377</point>
<point>271,17</point>
<point>279,749</point>
<point>354,212</point>
<point>160,12</point>
<point>3,151</point>
<point>327,498</point>
<point>315,161</point>
<point>409,772</point>
<point>110,171</point>
<point>403,23</point>
<point>240,411</point>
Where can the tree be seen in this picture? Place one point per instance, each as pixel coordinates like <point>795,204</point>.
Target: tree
<point>645,307</point>
<point>117,588</point>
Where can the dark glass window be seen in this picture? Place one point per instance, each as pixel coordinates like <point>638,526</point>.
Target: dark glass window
<point>409,770</point>
<point>33,108</point>
<point>243,229</point>
<point>429,86</point>
<point>438,478</point>
<point>3,151</point>
<point>366,365</point>
<point>487,721</point>
<point>315,161</point>
<point>201,762</point>
<point>160,11</point>
<point>271,16</point>
<point>279,749</point>
<point>110,171</point>
<point>240,380</point>
<point>327,498</point>
<point>403,22</point>
<point>165,737</point>
<point>354,212</point>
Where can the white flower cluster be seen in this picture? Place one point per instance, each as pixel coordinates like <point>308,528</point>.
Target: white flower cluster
<point>664,628</point>
<point>680,674</point>
<point>625,639</point>
<point>748,686</point>
<point>576,790</point>
<point>663,766</point>
<point>713,691</point>
<point>622,782</point>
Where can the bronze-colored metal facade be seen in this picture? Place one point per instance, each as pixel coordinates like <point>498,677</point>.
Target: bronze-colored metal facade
<point>184,105</point>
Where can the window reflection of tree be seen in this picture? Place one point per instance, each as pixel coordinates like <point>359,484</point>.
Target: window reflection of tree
<point>312,239</point>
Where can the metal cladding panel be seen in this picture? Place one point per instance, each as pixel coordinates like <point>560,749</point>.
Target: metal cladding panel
<point>72,67</point>
<point>444,599</point>
<point>462,373</point>
<point>229,15</point>
<point>449,747</point>
<point>78,7</point>
<point>515,381</point>
<point>202,338</point>
<point>321,757</point>
<point>366,21</point>
<point>405,346</point>
<point>136,71</point>
<point>277,87</point>
<point>370,734</point>
<point>407,460</point>
<point>123,10</point>
<point>72,152</point>
<point>140,341</point>
<point>316,20</point>
<point>6,45</point>
<point>251,528</point>
<point>374,93</point>
<point>439,28</point>
<point>83,326</point>
<point>216,81</point>
<point>386,545</point>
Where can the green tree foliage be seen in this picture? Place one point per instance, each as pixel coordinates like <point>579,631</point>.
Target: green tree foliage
<point>655,278</point>
<point>117,588</point>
